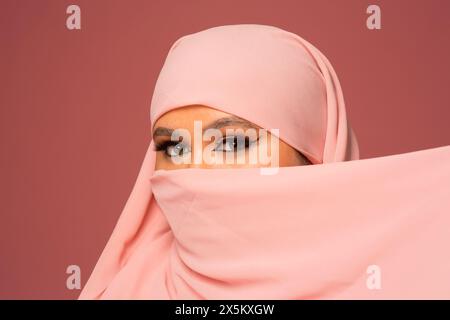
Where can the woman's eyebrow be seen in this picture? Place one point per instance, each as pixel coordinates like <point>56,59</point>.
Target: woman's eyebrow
<point>229,121</point>
<point>216,124</point>
<point>162,131</point>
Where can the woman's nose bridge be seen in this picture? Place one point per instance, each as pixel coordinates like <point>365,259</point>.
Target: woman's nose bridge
<point>197,159</point>
<point>197,149</point>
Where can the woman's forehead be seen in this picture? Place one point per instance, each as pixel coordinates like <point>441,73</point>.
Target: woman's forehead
<point>187,115</point>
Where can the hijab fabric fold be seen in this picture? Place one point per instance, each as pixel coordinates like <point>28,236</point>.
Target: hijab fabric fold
<point>373,228</point>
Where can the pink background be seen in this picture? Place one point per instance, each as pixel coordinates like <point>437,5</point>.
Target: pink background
<point>75,107</point>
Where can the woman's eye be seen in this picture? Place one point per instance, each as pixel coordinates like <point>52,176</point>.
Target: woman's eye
<point>233,143</point>
<point>173,148</point>
<point>177,150</point>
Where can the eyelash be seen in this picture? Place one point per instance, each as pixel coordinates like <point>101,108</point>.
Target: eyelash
<point>163,146</point>
<point>235,139</point>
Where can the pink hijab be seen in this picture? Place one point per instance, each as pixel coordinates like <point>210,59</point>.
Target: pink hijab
<point>374,228</point>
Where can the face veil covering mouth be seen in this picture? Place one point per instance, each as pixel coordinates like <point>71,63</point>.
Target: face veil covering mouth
<point>362,229</point>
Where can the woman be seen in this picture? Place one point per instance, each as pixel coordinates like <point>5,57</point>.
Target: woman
<point>316,226</point>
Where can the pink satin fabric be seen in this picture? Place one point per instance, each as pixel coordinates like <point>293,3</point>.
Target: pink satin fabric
<point>307,232</point>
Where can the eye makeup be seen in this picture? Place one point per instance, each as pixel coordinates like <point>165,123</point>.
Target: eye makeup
<point>172,148</point>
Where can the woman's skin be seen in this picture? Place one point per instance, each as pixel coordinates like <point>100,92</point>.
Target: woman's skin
<point>184,117</point>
